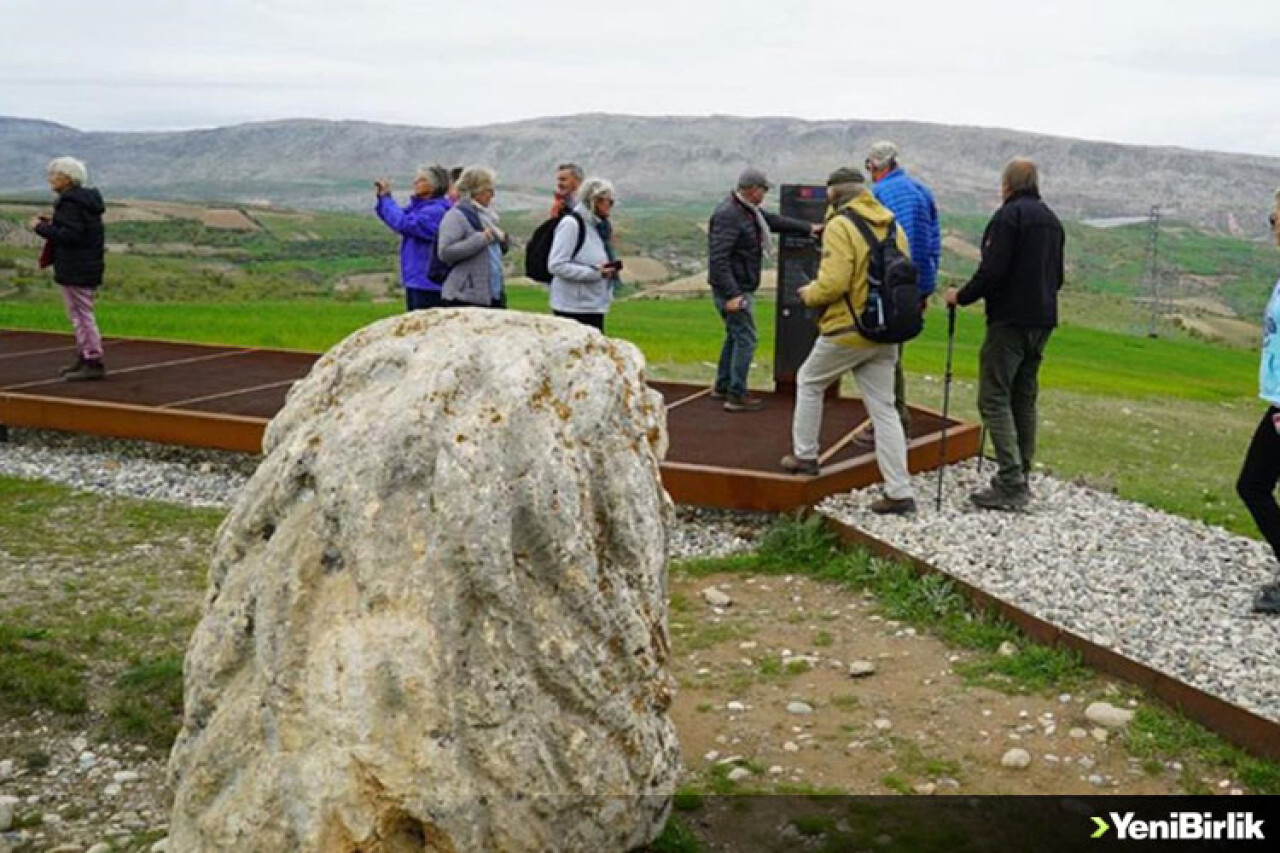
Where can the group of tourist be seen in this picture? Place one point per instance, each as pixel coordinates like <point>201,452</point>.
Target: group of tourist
<point>452,245</point>
<point>452,249</point>
<point>1019,277</point>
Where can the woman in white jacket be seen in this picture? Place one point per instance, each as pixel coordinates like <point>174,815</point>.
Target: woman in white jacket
<point>582,263</point>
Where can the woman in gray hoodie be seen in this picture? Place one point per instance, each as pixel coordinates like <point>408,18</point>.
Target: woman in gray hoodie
<point>472,244</point>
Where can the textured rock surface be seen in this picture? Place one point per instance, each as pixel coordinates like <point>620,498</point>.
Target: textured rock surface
<point>437,616</point>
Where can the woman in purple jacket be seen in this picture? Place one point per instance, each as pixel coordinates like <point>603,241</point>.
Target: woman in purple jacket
<point>418,223</point>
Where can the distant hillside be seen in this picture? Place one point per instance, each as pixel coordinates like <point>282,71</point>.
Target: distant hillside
<point>325,164</point>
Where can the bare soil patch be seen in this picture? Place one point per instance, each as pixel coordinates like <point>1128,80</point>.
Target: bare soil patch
<point>129,213</point>
<point>170,210</point>
<point>912,726</point>
<point>375,283</point>
<point>1211,328</point>
<point>696,285</point>
<point>961,247</point>
<point>229,220</point>
<point>644,270</point>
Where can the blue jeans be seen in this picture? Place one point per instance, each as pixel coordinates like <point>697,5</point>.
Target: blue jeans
<point>739,346</point>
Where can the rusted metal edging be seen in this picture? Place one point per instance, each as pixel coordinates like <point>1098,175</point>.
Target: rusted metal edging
<point>1249,731</point>
<point>123,420</point>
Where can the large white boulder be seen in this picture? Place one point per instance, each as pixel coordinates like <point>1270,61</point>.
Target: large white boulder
<point>436,618</point>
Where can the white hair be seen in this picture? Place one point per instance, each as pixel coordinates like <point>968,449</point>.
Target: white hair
<point>476,179</point>
<point>437,176</point>
<point>70,167</point>
<point>593,188</point>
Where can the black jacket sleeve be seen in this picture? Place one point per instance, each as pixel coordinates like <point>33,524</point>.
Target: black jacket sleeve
<point>722,235</point>
<point>69,226</point>
<point>779,224</point>
<point>997,254</point>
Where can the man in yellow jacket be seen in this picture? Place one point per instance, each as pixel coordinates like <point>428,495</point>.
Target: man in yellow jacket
<point>841,288</point>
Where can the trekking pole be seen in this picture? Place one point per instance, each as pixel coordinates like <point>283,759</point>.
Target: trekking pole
<point>946,399</point>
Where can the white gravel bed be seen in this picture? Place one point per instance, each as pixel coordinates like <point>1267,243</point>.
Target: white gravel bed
<point>1163,590</point>
<point>136,469</point>
<point>210,478</point>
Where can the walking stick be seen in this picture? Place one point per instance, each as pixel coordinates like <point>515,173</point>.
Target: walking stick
<point>946,399</point>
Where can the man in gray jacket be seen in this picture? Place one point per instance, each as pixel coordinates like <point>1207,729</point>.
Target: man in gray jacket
<point>737,242</point>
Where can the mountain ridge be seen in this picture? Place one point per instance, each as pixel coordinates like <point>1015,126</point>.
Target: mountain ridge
<point>321,163</point>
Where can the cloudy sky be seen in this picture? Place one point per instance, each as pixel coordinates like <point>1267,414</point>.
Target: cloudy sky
<point>1174,72</point>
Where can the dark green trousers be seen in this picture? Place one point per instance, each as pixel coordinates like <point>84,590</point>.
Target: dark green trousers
<point>1007,389</point>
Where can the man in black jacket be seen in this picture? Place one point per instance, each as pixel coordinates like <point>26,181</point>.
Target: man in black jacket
<point>737,241</point>
<point>1019,277</point>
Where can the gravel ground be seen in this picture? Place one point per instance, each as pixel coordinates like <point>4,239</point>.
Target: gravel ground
<point>211,478</point>
<point>1169,592</point>
<point>135,469</point>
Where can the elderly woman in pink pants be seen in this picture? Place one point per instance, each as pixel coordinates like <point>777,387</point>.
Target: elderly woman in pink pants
<point>76,248</point>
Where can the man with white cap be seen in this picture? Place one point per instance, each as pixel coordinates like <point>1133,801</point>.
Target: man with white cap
<point>737,242</point>
<point>912,205</point>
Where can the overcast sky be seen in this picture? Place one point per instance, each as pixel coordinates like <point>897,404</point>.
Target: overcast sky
<point>1172,72</point>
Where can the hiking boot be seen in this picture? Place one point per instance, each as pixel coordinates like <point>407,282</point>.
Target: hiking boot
<point>893,506</point>
<point>73,366</point>
<point>718,393</point>
<point>799,467</point>
<point>996,497</point>
<point>1268,600</point>
<point>86,371</point>
<point>743,403</point>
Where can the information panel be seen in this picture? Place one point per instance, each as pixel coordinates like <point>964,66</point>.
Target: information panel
<point>795,327</point>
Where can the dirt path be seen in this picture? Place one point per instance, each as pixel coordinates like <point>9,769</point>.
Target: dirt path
<point>914,726</point>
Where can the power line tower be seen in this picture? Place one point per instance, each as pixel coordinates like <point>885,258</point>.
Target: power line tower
<point>1152,293</point>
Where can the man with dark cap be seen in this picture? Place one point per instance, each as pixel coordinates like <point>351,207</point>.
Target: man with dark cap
<point>1019,277</point>
<point>912,205</point>
<point>737,242</point>
<point>840,289</point>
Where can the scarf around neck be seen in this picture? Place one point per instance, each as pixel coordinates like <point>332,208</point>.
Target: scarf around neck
<point>762,226</point>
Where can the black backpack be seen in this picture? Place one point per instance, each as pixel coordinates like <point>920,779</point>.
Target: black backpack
<point>537,252</point>
<point>892,313</point>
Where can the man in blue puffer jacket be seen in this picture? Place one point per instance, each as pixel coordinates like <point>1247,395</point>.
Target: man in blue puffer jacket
<point>418,223</point>
<point>911,204</point>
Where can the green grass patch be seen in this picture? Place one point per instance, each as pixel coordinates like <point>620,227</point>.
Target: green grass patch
<point>1157,735</point>
<point>1032,669</point>
<point>896,783</point>
<point>912,760</point>
<point>146,705</point>
<point>705,635</point>
<point>676,837</point>
<point>36,674</point>
<point>846,702</point>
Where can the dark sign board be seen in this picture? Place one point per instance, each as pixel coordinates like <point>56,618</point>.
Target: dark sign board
<point>795,328</point>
